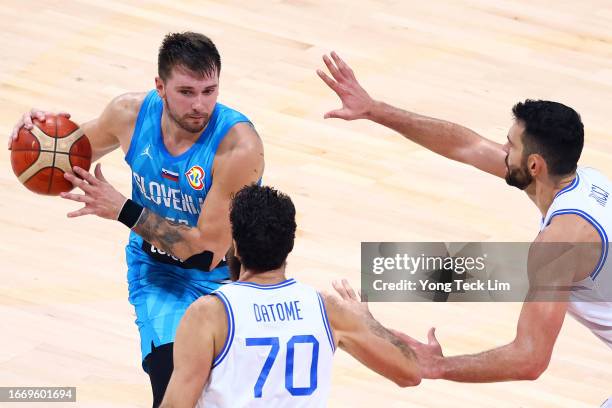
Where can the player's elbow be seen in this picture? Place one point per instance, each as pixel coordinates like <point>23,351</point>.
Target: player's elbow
<point>202,253</point>
<point>408,378</point>
<point>530,358</point>
<point>533,363</point>
<point>534,369</point>
<point>409,381</point>
<point>193,244</point>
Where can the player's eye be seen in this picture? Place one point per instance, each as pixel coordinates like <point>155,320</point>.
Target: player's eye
<point>185,92</point>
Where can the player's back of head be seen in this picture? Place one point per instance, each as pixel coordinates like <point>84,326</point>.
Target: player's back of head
<point>263,227</point>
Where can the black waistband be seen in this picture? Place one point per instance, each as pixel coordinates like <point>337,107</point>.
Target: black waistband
<point>200,261</point>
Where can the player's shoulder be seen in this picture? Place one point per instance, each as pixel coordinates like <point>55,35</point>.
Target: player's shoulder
<point>241,148</point>
<point>205,308</point>
<point>241,138</point>
<point>121,113</point>
<point>334,307</point>
<point>127,104</point>
<point>569,227</point>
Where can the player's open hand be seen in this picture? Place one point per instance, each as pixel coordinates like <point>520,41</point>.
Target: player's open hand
<point>100,197</point>
<point>351,299</point>
<point>26,122</point>
<point>429,354</point>
<point>356,103</point>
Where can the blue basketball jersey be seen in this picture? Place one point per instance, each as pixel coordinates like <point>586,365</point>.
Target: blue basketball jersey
<point>173,187</point>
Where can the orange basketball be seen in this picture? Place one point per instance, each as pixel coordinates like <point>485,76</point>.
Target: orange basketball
<point>40,156</point>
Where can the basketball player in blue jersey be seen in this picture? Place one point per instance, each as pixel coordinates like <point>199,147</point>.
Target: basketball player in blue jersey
<point>188,155</point>
<point>540,158</point>
<point>266,340</point>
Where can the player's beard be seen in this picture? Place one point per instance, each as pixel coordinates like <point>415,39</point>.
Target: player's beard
<point>183,122</point>
<point>518,177</point>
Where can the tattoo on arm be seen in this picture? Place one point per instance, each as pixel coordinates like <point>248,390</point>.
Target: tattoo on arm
<point>379,330</point>
<point>165,234</point>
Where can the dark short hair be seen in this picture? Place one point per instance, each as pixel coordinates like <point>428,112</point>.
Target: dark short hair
<point>263,227</point>
<point>193,51</point>
<point>554,131</point>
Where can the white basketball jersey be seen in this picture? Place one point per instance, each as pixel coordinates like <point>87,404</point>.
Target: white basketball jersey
<point>591,299</point>
<point>278,351</point>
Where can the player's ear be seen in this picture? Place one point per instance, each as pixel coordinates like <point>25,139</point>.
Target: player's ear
<point>235,249</point>
<point>160,86</point>
<point>535,164</point>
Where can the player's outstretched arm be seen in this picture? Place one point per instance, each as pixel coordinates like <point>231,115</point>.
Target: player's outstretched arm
<point>448,139</point>
<point>239,162</point>
<point>202,328</point>
<point>105,133</point>
<point>357,332</point>
<point>552,266</point>
<point>525,358</point>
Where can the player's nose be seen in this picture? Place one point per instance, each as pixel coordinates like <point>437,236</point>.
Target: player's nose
<point>198,103</point>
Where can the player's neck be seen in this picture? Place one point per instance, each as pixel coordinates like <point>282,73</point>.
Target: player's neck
<point>263,278</point>
<point>176,139</point>
<point>543,192</point>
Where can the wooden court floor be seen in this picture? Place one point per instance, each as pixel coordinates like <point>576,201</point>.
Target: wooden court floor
<point>64,315</point>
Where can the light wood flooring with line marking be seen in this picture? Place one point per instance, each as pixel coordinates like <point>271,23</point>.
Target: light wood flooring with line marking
<point>64,312</point>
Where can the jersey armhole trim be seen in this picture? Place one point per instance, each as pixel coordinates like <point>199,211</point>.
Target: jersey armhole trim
<point>230,328</point>
<point>144,106</point>
<point>600,231</point>
<point>330,335</point>
<point>215,143</point>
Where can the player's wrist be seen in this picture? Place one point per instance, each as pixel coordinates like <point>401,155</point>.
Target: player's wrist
<point>130,213</point>
<point>372,112</point>
<point>436,369</point>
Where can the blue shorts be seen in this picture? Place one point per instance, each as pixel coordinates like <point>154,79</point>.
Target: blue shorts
<point>161,294</point>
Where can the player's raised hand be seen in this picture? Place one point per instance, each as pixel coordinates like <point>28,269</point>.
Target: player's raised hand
<point>351,298</point>
<point>356,103</point>
<point>26,121</point>
<point>429,354</point>
<point>100,198</point>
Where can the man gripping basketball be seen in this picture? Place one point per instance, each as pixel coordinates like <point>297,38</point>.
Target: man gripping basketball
<point>570,251</point>
<point>188,155</point>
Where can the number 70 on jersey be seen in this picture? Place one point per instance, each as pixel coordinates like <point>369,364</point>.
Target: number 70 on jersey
<point>273,343</point>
